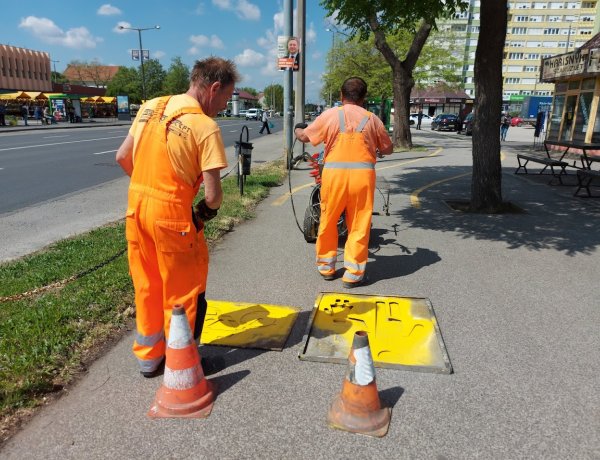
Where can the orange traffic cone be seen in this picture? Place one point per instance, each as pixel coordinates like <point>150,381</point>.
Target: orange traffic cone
<point>357,408</point>
<point>185,391</point>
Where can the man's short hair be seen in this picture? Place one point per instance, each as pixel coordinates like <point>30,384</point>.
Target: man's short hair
<point>214,69</point>
<point>354,89</point>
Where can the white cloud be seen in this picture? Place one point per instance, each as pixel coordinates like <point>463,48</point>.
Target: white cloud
<point>311,35</point>
<point>121,24</point>
<point>48,32</point>
<point>242,8</point>
<point>199,9</point>
<point>158,54</point>
<point>108,10</point>
<point>203,41</point>
<point>250,58</point>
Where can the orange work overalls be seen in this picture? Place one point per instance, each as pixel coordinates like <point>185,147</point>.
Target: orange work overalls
<point>348,183</point>
<point>168,259</point>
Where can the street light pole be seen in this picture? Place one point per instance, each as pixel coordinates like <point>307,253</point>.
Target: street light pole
<point>139,30</point>
<point>332,61</point>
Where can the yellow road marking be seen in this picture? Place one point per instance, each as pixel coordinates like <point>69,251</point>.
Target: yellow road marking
<point>414,197</point>
<point>283,198</point>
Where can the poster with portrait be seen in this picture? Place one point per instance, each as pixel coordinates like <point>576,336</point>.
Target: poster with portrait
<point>288,53</point>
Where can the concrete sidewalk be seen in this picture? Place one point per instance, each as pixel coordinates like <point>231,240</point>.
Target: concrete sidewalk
<point>87,123</point>
<point>516,300</point>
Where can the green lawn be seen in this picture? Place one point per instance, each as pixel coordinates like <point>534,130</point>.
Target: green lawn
<point>60,307</point>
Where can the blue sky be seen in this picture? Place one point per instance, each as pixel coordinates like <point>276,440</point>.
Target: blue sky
<point>243,30</point>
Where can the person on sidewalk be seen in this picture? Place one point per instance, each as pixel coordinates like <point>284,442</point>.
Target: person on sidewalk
<point>265,123</point>
<point>173,146</point>
<point>353,138</point>
<point>504,125</point>
<point>419,118</point>
<point>2,114</point>
<point>25,113</point>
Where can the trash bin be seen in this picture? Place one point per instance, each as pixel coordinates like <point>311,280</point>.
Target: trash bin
<point>244,149</point>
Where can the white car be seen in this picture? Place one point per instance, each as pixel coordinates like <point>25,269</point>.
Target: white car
<point>414,117</point>
<point>242,113</point>
<point>253,114</point>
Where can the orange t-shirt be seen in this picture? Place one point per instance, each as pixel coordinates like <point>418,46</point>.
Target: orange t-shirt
<point>326,127</point>
<point>194,141</point>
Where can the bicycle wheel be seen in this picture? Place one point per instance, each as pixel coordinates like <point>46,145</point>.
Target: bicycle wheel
<point>310,226</point>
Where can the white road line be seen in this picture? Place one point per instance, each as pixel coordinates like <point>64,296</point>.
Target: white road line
<point>100,153</point>
<point>60,143</point>
<point>52,137</point>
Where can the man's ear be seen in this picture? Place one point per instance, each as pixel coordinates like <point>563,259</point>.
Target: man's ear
<point>215,87</point>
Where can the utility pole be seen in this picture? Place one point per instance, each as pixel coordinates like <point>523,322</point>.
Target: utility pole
<point>300,78</point>
<point>288,108</point>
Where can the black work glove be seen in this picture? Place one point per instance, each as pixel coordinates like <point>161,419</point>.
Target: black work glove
<point>202,213</point>
<point>301,125</point>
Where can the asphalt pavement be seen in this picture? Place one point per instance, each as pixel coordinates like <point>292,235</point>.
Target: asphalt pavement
<point>516,301</point>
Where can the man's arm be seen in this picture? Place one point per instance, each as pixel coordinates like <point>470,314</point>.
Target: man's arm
<point>213,192</point>
<point>125,155</point>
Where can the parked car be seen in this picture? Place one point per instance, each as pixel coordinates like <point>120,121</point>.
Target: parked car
<point>253,114</point>
<point>467,125</point>
<point>516,121</point>
<point>414,117</point>
<point>242,113</point>
<point>445,121</point>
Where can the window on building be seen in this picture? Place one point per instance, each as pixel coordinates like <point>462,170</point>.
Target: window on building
<point>551,31</point>
<point>519,30</point>
<point>515,55</point>
<point>530,68</point>
<point>585,32</point>
<point>521,18</point>
<point>557,5</point>
<point>588,4</point>
<point>582,119</point>
<point>554,18</point>
<point>532,56</point>
<point>512,80</point>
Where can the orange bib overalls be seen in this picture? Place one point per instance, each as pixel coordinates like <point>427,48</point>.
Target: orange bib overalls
<point>168,259</point>
<point>348,183</point>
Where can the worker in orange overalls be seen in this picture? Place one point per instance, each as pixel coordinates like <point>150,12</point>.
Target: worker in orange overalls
<point>173,146</point>
<point>353,139</point>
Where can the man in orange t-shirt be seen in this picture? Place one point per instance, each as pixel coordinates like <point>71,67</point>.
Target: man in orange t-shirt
<point>353,139</point>
<point>173,146</point>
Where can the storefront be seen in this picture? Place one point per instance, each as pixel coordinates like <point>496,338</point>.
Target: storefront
<point>575,108</point>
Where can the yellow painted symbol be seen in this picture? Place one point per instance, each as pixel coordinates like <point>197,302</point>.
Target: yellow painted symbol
<point>248,325</point>
<point>402,331</point>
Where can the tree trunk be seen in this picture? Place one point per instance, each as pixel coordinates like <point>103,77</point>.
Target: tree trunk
<point>403,81</point>
<point>486,181</point>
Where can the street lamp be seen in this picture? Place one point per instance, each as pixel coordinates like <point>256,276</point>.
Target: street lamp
<point>333,32</point>
<point>139,30</point>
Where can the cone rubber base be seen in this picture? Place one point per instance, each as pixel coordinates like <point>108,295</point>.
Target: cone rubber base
<point>198,408</point>
<point>375,423</point>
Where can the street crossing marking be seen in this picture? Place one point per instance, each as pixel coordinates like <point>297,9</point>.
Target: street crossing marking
<point>101,153</point>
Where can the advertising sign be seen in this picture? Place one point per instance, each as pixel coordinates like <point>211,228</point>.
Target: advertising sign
<point>288,53</point>
<point>135,55</point>
<point>123,104</point>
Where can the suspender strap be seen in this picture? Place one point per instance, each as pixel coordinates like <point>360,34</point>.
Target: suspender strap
<point>342,122</point>
<point>362,123</point>
<point>360,126</point>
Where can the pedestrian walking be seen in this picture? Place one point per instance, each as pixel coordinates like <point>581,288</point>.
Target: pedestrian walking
<point>353,138</point>
<point>265,123</point>
<point>25,113</point>
<point>2,114</point>
<point>504,125</point>
<point>173,146</point>
<point>419,118</point>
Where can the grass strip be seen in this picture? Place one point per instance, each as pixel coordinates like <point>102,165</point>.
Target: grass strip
<point>48,337</point>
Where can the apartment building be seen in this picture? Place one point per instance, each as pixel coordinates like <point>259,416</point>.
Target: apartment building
<point>535,30</point>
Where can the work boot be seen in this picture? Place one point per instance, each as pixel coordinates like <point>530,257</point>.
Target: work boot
<point>160,370</point>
